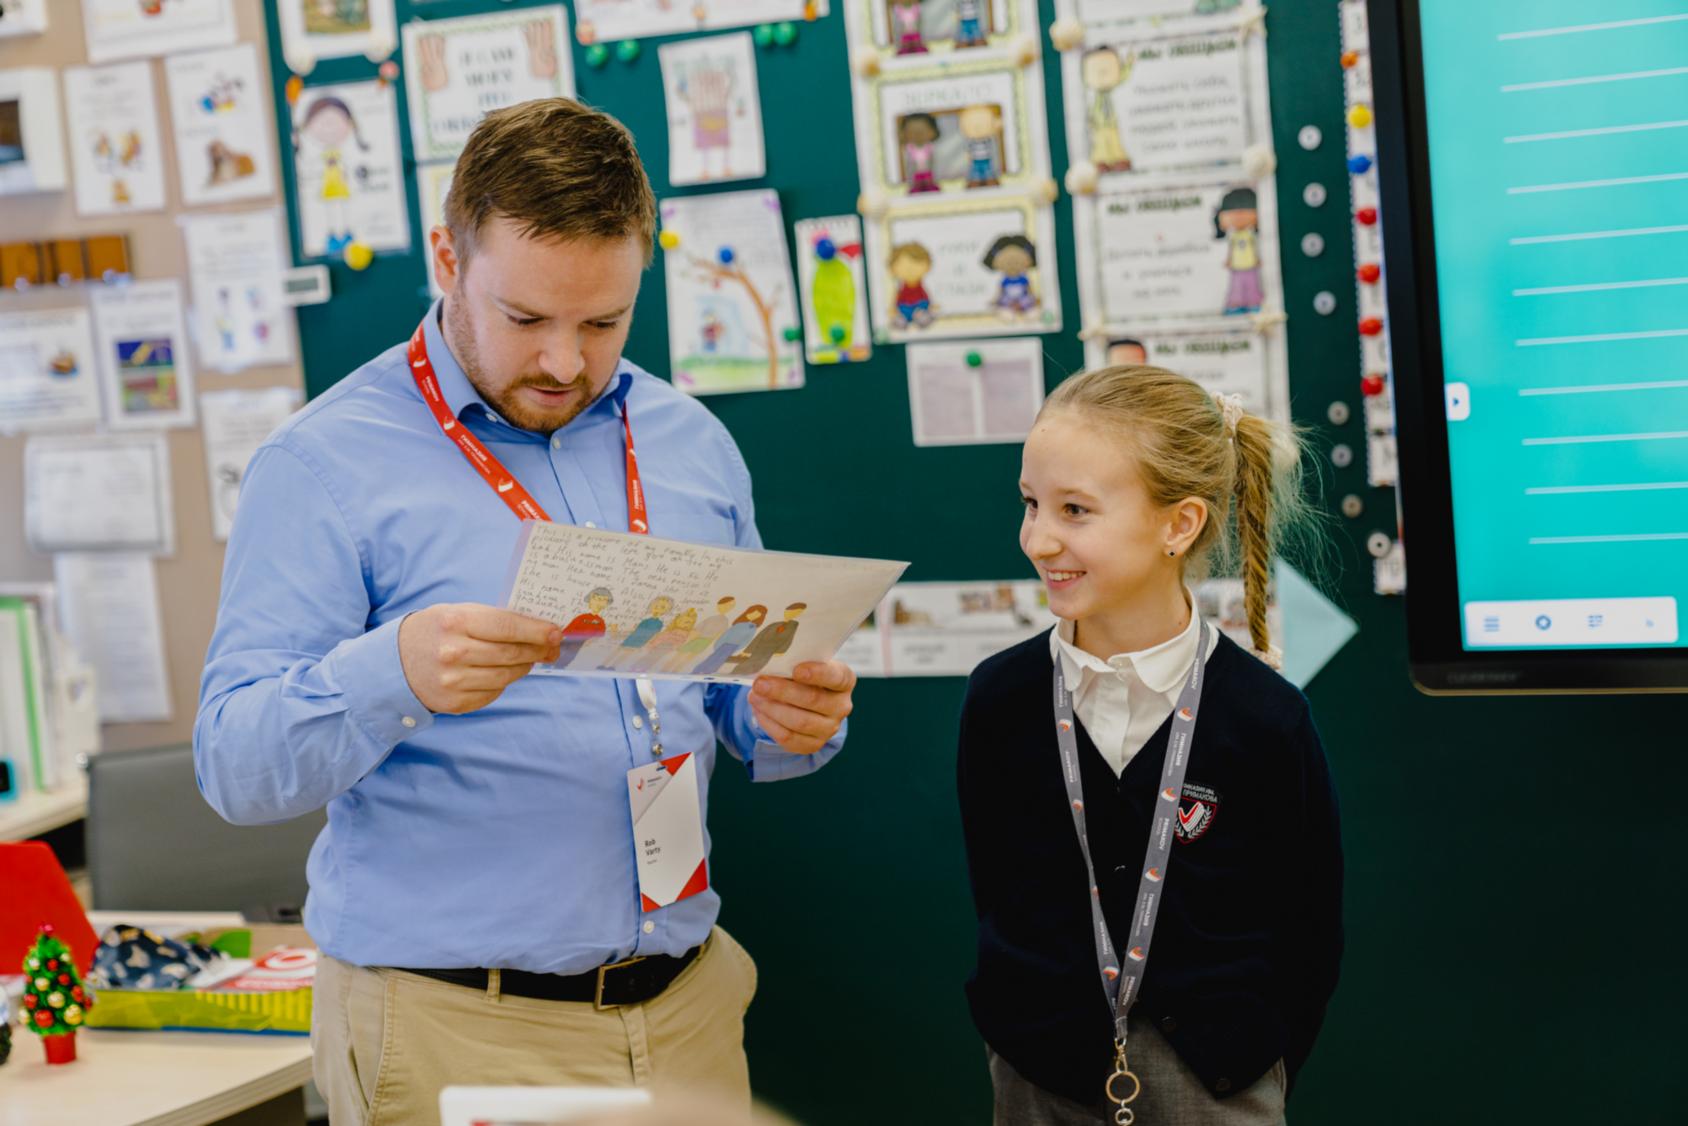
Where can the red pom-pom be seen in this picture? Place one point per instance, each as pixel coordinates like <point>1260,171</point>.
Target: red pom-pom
<point>1366,215</point>
<point>64,979</point>
<point>52,964</point>
<point>44,1018</point>
<point>1371,326</point>
<point>1370,272</point>
<point>1371,385</point>
<point>78,994</point>
<point>30,1000</point>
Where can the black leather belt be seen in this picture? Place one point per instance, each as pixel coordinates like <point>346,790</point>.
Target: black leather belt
<point>632,982</point>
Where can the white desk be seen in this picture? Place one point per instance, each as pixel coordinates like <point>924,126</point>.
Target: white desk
<point>148,1078</point>
<point>34,813</point>
<point>142,1078</point>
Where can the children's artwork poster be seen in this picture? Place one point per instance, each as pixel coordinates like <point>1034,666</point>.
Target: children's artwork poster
<point>236,262</point>
<point>604,21</point>
<point>459,70</point>
<point>946,629</point>
<point>47,378</point>
<point>975,268</point>
<point>128,29</point>
<point>220,113</point>
<point>1237,361</point>
<point>837,328</point>
<point>31,150</point>
<point>1180,103</point>
<point>967,393</point>
<point>1199,252</point>
<point>142,342</point>
<point>22,17</point>
<point>732,303</point>
<point>235,424</point>
<point>332,29</point>
<point>909,29</point>
<point>347,166</point>
<point>633,605</point>
<point>433,182</point>
<point>115,145</point>
<point>714,110</point>
<point>1112,11</point>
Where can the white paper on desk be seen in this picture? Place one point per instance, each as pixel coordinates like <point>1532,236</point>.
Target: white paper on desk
<point>236,262</point>
<point>98,492</point>
<point>954,403</point>
<point>109,603</point>
<point>235,424</point>
<point>47,375</point>
<point>637,606</point>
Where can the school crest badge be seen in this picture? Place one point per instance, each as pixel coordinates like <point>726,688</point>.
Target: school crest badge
<point>1196,811</point>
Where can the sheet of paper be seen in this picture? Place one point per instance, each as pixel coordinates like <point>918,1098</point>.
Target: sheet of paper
<point>31,149</point>
<point>934,27</point>
<point>128,29</point>
<point>945,629</point>
<point>220,113</point>
<point>347,169</point>
<point>234,424</point>
<point>458,70</point>
<point>115,143</point>
<point>1105,11</point>
<point>332,29</point>
<point>732,304</point>
<point>433,181</point>
<point>98,492</point>
<point>830,273</point>
<point>47,377</point>
<point>236,261</point>
<point>143,349</point>
<point>956,401</point>
<point>602,21</point>
<point>111,614</point>
<point>22,17</point>
<point>714,110</point>
<point>639,606</point>
<point>26,730</point>
<point>1240,361</point>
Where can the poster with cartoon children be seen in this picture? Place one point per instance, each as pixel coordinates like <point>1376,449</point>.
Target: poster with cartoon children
<point>963,268</point>
<point>347,167</point>
<point>955,128</point>
<point>640,606</point>
<point>916,28</point>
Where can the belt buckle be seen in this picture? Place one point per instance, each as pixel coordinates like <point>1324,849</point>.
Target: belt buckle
<point>598,993</point>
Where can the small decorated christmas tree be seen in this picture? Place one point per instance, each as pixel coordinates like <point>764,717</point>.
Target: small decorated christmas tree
<point>54,1002</point>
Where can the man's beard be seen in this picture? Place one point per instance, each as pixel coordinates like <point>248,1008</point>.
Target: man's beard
<point>509,405</point>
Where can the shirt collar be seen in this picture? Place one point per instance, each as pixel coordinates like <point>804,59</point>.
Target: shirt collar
<point>460,394</point>
<point>1161,667</point>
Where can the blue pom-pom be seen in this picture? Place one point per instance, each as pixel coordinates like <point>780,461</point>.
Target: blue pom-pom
<point>726,255</point>
<point>825,249</point>
<point>1359,165</point>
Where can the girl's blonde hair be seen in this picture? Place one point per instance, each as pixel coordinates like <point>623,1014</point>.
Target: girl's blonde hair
<point>1249,473</point>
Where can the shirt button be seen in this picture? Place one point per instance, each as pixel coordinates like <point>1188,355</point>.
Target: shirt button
<point>556,443</point>
<point>650,928</point>
<point>408,721</point>
<point>589,524</point>
<point>638,724</point>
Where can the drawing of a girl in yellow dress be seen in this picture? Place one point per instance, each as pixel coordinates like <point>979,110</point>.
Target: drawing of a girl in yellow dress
<point>328,124</point>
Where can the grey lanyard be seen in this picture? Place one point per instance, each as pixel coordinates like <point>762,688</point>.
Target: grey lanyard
<point>1121,986</point>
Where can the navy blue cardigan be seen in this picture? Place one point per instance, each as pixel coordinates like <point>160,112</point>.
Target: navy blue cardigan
<point>1249,938</point>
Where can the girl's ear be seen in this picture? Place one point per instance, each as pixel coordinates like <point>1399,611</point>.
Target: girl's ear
<point>1187,519</point>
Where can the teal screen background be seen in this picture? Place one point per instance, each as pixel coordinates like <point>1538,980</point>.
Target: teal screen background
<point>1561,493</point>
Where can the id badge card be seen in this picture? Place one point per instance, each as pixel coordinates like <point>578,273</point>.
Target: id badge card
<point>667,831</point>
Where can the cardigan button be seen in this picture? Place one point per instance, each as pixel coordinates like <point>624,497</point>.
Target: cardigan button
<point>1221,1085</point>
<point>1169,1025</point>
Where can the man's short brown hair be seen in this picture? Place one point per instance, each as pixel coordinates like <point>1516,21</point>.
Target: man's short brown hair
<point>556,168</point>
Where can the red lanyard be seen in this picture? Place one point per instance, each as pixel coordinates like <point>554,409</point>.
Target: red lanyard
<point>492,470</point>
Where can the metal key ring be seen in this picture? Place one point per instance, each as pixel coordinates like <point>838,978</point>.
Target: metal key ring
<point>1136,1089</point>
<point>1124,1116</point>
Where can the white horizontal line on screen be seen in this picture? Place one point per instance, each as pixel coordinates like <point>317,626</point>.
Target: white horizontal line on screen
<point>1593,79</point>
<point>1591,388</point>
<point>1581,439</point>
<point>1601,337</point>
<point>1613,182</point>
<point>1611,25</point>
<point>1638,487</point>
<point>1639,537</point>
<point>1632,232</point>
<point>1602,131</point>
<point>1595,287</point>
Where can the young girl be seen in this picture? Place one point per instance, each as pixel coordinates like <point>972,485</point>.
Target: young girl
<point>1168,921</point>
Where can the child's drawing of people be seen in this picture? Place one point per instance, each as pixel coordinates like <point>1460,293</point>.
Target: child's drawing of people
<point>642,634</point>
<point>910,263</point>
<point>1103,71</point>
<point>770,643</point>
<point>1237,221</point>
<point>664,644</point>
<point>738,634</point>
<point>970,24</point>
<point>918,133</point>
<point>1013,256</point>
<point>905,27</point>
<point>328,125</point>
<point>708,91</point>
<point>703,638</point>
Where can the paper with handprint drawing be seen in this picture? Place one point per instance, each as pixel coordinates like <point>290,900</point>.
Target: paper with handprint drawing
<point>714,110</point>
<point>457,70</point>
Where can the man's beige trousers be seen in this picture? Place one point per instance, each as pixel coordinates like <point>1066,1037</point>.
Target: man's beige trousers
<point>386,1041</point>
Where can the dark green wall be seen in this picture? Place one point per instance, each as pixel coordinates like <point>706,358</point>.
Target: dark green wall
<point>1512,944</point>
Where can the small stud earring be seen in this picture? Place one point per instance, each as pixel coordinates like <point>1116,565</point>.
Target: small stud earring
<point>1172,554</point>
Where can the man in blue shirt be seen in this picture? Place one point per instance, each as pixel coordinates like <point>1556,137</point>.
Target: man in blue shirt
<point>474,892</point>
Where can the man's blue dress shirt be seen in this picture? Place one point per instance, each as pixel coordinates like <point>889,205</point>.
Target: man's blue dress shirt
<point>501,838</point>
